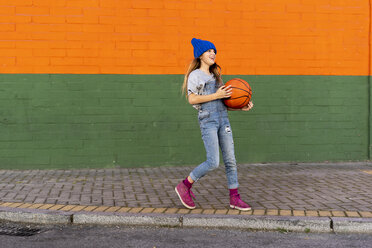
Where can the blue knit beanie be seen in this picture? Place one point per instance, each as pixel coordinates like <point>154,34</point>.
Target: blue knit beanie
<point>201,46</point>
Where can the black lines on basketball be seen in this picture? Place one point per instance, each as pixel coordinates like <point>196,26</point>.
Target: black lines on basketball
<point>238,97</point>
<point>245,84</point>
<point>241,93</point>
<point>239,89</point>
<point>245,102</point>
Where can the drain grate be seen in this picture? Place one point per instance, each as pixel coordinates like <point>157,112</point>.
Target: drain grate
<point>18,231</point>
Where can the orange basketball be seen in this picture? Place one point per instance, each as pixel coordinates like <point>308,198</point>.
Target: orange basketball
<point>241,93</point>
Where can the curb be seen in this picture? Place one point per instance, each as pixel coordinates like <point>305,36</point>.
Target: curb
<point>303,224</point>
<point>273,223</point>
<point>161,220</point>
<point>250,222</point>
<point>34,217</point>
<point>352,225</point>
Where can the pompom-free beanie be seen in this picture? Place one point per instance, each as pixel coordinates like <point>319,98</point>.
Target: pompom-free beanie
<point>201,46</point>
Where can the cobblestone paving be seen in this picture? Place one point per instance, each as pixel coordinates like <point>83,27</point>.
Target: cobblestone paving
<point>299,187</point>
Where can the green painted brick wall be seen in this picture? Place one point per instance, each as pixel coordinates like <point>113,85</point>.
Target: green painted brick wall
<point>95,121</point>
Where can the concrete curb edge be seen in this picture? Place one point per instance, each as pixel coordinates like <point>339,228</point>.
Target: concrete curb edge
<point>272,223</point>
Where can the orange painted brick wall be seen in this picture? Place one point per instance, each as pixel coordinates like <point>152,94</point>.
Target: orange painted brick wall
<point>263,37</point>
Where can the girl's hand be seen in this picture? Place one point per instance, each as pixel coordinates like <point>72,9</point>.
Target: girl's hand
<point>248,107</point>
<point>224,92</point>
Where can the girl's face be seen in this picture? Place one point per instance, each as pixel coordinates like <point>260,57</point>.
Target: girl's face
<point>208,57</point>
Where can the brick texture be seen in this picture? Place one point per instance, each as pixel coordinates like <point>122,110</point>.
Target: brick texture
<point>298,190</point>
<point>58,121</point>
<point>263,37</point>
<point>64,121</point>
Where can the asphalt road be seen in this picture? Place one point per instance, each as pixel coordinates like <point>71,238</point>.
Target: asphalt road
<point>121,236</point>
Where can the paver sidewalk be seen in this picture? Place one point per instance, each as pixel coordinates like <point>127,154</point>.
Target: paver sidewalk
<point>342,190</point>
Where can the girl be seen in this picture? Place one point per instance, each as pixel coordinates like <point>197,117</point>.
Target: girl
<point>205,92</point>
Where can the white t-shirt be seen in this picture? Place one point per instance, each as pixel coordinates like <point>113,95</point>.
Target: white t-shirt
<point>196,83</point>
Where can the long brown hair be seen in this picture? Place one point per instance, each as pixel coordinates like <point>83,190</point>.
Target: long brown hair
<point>195,64</point>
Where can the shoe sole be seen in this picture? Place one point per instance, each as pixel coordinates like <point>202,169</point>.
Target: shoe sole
<point>242,209</point>
<point>187,206</point>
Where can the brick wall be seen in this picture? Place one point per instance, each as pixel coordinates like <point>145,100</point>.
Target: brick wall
<point>71,121</point>
<point>262,37</point>
<point>308,63</point>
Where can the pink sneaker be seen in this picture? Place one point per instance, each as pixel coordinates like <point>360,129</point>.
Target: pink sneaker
<point>236,202</point>
<point>185,194</point>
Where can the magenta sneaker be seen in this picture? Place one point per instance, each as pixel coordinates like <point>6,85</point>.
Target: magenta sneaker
<point>236,202</point>
<point>184,193</point>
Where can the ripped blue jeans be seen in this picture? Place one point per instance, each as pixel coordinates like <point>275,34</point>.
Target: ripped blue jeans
<point>216,133</point>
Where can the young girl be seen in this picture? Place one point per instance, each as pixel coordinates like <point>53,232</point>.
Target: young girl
<point>205,92</point>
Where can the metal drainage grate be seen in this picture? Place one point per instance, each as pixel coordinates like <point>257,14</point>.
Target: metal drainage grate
<point>18,231</point>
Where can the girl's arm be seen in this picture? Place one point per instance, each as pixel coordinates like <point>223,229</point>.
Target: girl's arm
<point>222,92</point>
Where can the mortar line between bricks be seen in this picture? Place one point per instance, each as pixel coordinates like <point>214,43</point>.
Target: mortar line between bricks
<point>205,212</point>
